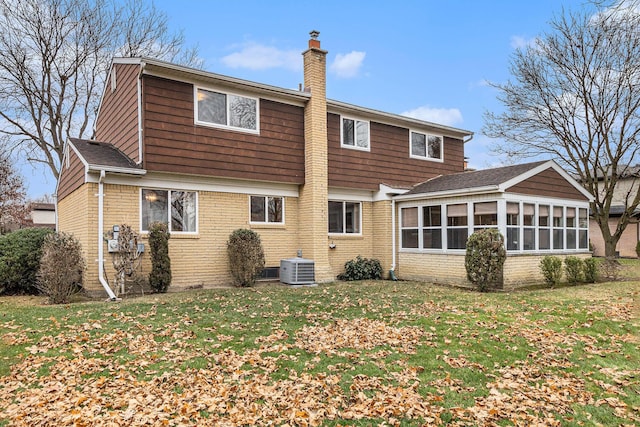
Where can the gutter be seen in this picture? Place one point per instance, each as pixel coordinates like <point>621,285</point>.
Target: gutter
<point>103,281</point>
<point>392,274</point>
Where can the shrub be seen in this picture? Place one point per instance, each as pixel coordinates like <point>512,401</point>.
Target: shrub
<point>246,257</point>
<point>610,268</point>
<point>573,269</point>
<point>485,258</point>
<point>61,267</point>
<point>127,258</point>
<point>361,269</point>
<point>590,270</point>
<point>551,267</point>
<point>20,253</point>
<point>160,275</point>
<point>638,249</point>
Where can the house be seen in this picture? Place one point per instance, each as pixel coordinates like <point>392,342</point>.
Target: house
<point>42,215</point>
<point>626,188</point>
<point>208,154</point>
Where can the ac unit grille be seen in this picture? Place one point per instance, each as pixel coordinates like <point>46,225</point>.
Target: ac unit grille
<point>297,271</point>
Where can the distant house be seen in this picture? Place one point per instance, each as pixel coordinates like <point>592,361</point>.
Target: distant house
<point>208,154</point>
<point>626,188</point>
<point>42,215</point>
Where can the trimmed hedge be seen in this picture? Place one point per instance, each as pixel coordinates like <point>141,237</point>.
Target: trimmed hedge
<point>20,253</point>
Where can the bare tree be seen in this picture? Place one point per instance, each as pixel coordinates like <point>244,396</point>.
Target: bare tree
<point>575,97</point>
<point>13,209</point>
<point>54,57</point>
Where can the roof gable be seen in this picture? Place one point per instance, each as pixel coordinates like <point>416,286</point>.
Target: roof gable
<point>502,179</point>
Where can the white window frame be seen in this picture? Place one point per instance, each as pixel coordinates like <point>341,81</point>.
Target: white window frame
<point>404,227</point>
<point>426,141</point>
<point>344,218</point>
<point>519,229</point>
<point>169,222</point>
<point>266,210</point>
<point>227,126</point>
<point>355,134</point>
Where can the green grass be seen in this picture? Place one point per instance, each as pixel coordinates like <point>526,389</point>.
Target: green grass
<point>363,353</point>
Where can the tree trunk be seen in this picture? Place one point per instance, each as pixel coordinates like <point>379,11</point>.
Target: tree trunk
<point>610,248</point>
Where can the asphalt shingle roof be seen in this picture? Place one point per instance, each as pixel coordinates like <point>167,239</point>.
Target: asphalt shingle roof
<point>103,154</point>
<point>473,179</point>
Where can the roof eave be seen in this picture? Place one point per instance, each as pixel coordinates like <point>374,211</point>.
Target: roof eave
<point>397,119</point>
<point>158,68</point>
<point>449,193</point>
<point>116,169</point>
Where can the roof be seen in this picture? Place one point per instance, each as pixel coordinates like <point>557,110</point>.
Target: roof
<point>104,156</point>
<point>475,179</point>
<point>487,181</point>
<point>160,68</point>
<point>43,206</point>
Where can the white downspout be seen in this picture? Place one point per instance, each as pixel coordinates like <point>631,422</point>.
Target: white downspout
<point>103,281</point>
<point>393,234</point>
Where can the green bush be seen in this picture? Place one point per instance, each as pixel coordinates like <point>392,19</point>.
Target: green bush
<point>61,267</point>
<point>551,268</point>
<point>361,269</point>
<point>485,259</point>
<point>638,249</point>
<point>20,253</point>
<point>246,257</point>
<point>573,269</point>
<point>590,270</point>
<point>160,275</point>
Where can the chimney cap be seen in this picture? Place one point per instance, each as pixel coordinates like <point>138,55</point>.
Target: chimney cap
<point>314,34</point>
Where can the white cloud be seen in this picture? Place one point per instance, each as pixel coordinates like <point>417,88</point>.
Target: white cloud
<point>519,42</point>
<point>256,56</point>
<point>443,116</point>
<point>347,65</point>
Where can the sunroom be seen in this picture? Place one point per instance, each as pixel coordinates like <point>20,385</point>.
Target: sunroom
<point>538,208</point>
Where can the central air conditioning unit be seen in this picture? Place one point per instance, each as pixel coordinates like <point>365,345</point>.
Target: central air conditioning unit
<point>297,271</point>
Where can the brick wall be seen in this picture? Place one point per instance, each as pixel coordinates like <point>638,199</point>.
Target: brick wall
<point>76,212</point>
<point>519,270</point>
<point>626,245</point>
<point>195,259</point>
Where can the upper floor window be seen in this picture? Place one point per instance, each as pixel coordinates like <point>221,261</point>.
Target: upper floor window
<point>344,217</point>
<point>425,146</point>
<point>355,134</point>
<point>178,209</point>
<point>267,209</point>
<point>226,110</point>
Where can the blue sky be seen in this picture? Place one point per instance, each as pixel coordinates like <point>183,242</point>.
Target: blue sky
<point>431,59</point>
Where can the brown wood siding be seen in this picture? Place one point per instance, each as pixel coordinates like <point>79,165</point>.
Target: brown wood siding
<point>174,143</point>
<point>548,183</point>
<point>72,177</point>
<point>117,122</point>
<point>389,160</point>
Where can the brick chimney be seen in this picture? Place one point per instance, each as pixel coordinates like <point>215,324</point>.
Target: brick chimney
<point>314,196</point>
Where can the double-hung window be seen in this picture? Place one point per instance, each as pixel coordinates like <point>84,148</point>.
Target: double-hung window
<point>177,209</point>
<point>409,227</point>
<point>558,227</point>
<point>344,217</point>
<point>221,109</point>
<point>267,209</point>
<point>544,230</point>
<point>425,146</point>
<point>572,224</point>
<point>355,134</point>
<point>513,226</point>
<point>583,229</point>
<point>432,227</point>
<point>529,227</point>
<point>457,229</point>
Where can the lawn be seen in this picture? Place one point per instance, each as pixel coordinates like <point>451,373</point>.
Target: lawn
<point>364,353</point>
